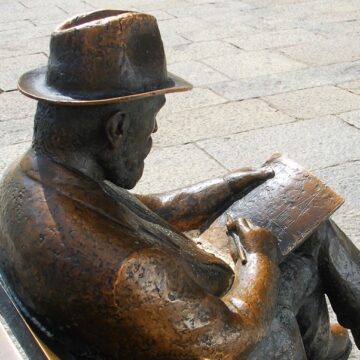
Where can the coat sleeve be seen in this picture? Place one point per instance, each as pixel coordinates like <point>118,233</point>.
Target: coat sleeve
<point>159,304</point>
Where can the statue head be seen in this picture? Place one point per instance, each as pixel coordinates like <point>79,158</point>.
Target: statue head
<point>106,141</point>
<point>100,92</point>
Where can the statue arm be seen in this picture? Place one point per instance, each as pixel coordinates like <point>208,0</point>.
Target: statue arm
<point>189,207</point>
<point>162,301</point>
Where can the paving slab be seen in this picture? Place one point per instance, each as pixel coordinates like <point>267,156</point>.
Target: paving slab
<point>210,121</point>
<point>14,105</point>
<point>9,8</point>
<point>301,10</point>
<point>311,22</point>
<point>352,117</point>
<point>336,50</point>
<point>23,47</point>
<point>351,28</point>
<point>336,17</point>
<point>252,64</point>
<point>146,5</point>
<point>74,7</point>
<point>287,81</point>
<point>194,99</point>
<point>70,7</point>
<point>344,179</point>
<point>16,66</point>
<point>349,222</point>
<point>111,4</point>
<point>210,8</point>
<point>319,101</point>
<point>176,26</point>
<point>313,143</point>
<point>268,3</point>
<point>234,19</point>
<point>16,131</point>
<point>196,73</point>
<point>201,50</point>
<point>172,40</point>
<point>274,39</point>
<point>217,31</point>
<point>20,24</point>
<point>20,12</point>
<point>355,353</point>
<point>161,175</point>
<point>18,36</point>
<point>352,86</point>
<point>161,15</point>
<point>9,154</point>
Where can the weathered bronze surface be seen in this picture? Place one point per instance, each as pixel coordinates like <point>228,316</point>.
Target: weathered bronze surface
<point>291,205</point>
<point>90,64</point>
<point>108,274</point>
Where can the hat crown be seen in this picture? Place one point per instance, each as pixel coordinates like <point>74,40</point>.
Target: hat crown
<point>106,52</point>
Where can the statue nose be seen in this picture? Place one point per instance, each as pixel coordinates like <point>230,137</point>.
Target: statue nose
<point>155,127</point>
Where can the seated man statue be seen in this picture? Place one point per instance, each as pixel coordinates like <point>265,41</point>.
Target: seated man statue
<point>109,274</point>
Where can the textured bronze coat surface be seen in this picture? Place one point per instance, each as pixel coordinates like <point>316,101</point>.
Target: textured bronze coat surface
<point>85,262</point>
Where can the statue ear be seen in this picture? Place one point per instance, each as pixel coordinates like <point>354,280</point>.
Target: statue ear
<point>115,127</point>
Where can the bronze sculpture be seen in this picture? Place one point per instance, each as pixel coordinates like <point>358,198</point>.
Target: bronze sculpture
<point>109,274</point>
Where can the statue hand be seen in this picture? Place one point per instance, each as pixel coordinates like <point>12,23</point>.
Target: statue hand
<point>240,179</point>
<point>257,240</point>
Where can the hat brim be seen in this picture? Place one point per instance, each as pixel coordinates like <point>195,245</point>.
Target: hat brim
<point>33,84</point>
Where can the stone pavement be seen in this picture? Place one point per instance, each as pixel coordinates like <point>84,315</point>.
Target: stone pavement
<point>269,75</point>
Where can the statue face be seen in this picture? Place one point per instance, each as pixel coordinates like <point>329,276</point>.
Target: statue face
<point>129,133</point>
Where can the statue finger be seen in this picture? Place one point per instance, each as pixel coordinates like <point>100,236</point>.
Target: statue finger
<point>242,226</point>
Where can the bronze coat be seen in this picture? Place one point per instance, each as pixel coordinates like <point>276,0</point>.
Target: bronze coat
<point>64,242</point>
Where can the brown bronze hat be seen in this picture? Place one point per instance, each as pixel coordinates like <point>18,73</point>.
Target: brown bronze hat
<point>103,57</point>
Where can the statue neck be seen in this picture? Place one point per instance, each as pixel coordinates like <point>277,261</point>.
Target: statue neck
<point>81,162</point>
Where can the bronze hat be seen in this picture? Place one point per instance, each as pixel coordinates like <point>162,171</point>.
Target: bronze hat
<point>103,57</point>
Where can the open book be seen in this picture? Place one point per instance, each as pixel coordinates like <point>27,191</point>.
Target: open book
<point>291,205</point>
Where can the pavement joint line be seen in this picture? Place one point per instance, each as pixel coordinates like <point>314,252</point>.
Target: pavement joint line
<point>210,156</point>
<point>348,90</point>
<point>306,119</point>
<point>21,3</point>
<point>32,22</point>
<point>346,122</point>
<point>271,105</point>
<point>337,164</point>
<point>63,10</point>
<point>229,100</point>
<point>295,120</point>
<point>205,106</point>
<point>284,72</point>
<point>234,133</point>
<point>86,3</point>
<point>23,54</point>
<point>206,57</point>
<point>234,45</point>
<point>310,64</point>
<point>16,143</point>
<point>166,12</point>
<point>277,48</point>
<point>278,51</point>
<point>211,67</point>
